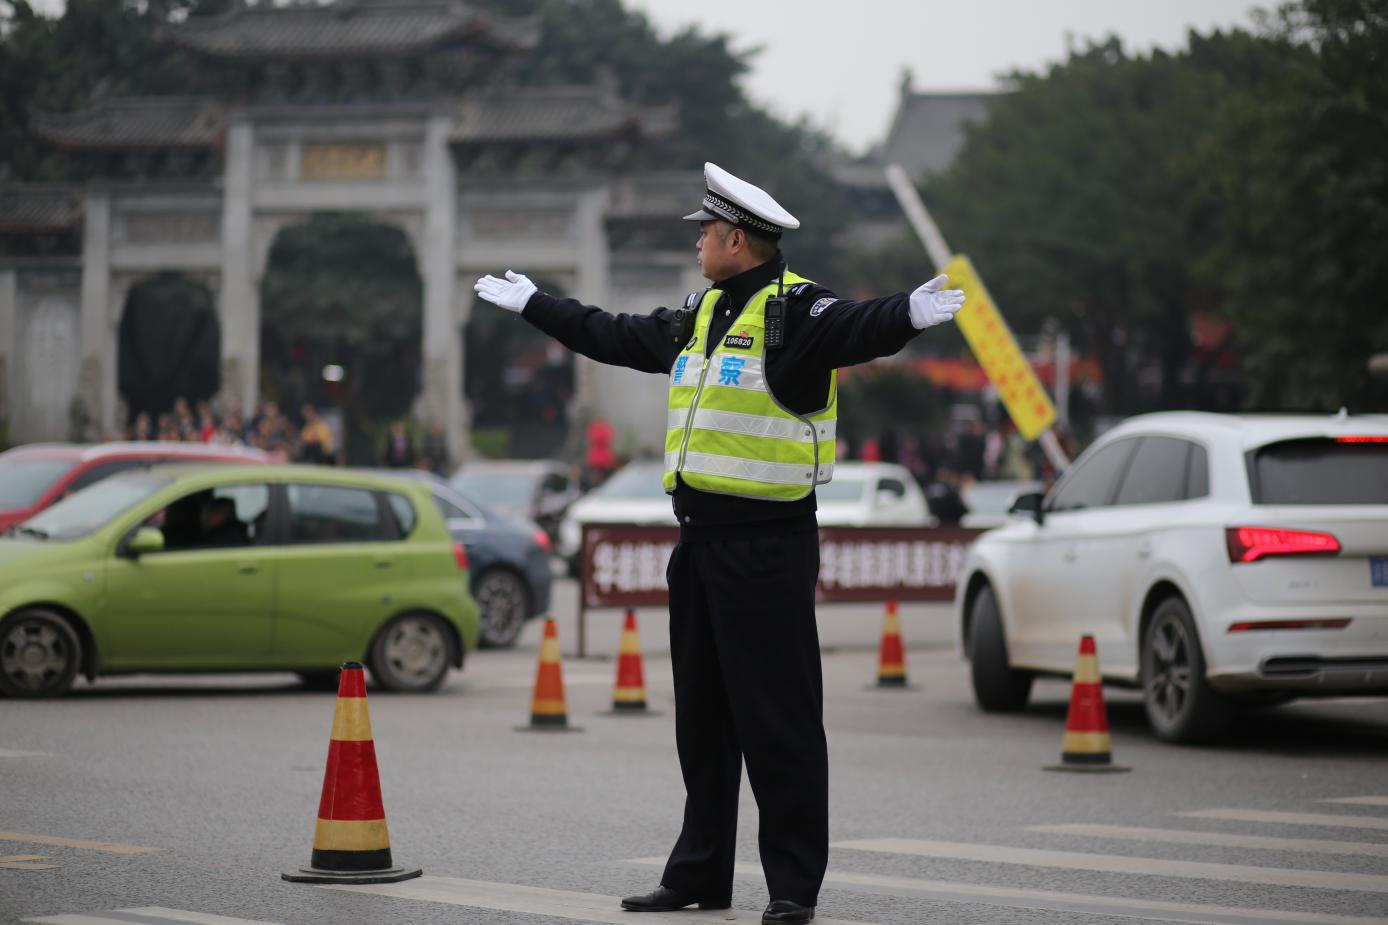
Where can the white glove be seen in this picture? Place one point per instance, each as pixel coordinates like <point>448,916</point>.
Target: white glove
<point>511,293</point>
<point>932,305</point>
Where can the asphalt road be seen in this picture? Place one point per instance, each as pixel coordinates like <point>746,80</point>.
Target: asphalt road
<point>191,794</point>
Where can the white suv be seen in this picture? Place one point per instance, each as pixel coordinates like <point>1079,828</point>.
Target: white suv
<point>1217,560</point>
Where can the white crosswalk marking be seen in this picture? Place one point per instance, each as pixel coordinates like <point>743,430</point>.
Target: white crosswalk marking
<point>561,904</point>
<point>1117,864</point>
<point>1331,820</point>
<point>1012,897</point>
<point>1176,837</point>
<point>150,915</point>
<point>1359,801</point>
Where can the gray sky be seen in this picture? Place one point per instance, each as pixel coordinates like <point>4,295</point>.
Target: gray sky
<point>839,62</point>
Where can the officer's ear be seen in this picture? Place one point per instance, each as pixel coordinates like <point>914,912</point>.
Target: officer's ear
<point>738,243</point>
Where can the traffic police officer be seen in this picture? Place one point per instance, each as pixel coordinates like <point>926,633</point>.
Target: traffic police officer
<point>753,402</point>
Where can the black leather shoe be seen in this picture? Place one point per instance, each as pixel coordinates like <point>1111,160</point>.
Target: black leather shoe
<point>785,912</point>
<point>664,899</point>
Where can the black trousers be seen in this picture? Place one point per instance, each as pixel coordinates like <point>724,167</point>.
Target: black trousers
<point>748,684</point>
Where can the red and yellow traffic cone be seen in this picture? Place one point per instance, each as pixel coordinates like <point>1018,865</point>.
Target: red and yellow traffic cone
<point>351,843</point>
<point>629,693</point>
<point>547,710</point>
<point>1086,743</point>
<point>891,658</point>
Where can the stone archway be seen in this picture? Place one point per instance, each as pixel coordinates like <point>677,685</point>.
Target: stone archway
<point>343,291</point>
<point>168,345</point>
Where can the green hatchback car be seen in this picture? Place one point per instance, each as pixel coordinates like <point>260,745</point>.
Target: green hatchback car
<point>234,568</point>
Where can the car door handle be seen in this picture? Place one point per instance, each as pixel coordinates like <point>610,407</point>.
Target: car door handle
<point>384,563</point>
<point>1144,550</point>
<point>248,568</point>
<point>1071,553</point>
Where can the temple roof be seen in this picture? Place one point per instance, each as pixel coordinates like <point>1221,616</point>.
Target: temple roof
<point>38,207</point>
<point>928,129</point>
<point>349,29</point>
<point>135,122</point>
<point>553,113</point>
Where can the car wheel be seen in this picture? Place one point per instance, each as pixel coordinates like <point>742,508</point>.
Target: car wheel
<point>412,654</point>
<point>1181,706</point>
<point>40,654</point>
<point>998,688</point>
<point>503,602</point>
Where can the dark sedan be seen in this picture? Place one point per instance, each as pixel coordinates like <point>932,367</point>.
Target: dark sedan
<point>508,558</point>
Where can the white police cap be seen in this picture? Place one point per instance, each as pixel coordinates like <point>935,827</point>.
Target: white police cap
<point>741,203</point>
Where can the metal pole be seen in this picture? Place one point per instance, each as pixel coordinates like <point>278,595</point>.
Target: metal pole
<point>939,252</point>
<point>924,225</point>
<point>1062,379</point>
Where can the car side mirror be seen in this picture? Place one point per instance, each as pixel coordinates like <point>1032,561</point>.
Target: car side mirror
<point>145,540</point>
<point>1029,505</point>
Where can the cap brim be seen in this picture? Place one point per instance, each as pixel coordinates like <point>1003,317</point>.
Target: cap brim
<point>703,215</point>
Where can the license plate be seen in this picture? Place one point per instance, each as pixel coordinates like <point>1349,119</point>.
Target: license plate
<point>1378,571</point>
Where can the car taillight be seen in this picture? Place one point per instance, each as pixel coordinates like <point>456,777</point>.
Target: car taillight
<point>1249,544</point>
<point>542,540</point>
<point>1361,439</point>
<point>460,554</point>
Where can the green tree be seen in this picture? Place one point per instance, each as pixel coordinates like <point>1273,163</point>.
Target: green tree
<point>1297,174</point>
<point>1070,199</point>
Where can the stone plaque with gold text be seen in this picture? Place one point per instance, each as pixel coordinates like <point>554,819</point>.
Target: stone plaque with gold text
<point>323,161</point>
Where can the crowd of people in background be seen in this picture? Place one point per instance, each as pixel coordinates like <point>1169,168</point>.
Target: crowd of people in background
<point>947,463</point>
<point>944,463</point>
<point>305,437</point>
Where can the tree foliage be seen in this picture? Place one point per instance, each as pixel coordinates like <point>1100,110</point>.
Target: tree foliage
<point>1121,195</point>
<point>1296,168</point>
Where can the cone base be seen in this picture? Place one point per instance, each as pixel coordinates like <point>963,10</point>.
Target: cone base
<point>628,706</point>
<point>892,681</point>
<point>1089,768</point>
<point>552,728</point>
<point>315,875</point>
<point>628,711</point>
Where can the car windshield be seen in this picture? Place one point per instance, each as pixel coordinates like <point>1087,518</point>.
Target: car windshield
<point>1321,471</point>
<point>634,482</point>
<point>842,488</point>
<point>509,488</point>
<point>23,480</point>
<point>92,508</point>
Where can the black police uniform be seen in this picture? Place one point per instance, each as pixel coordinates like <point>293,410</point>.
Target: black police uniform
<point>743,640</point>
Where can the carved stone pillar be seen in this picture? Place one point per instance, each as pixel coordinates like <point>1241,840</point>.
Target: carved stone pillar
<point>98,348</point>
<point>239,296</point>
<point>108,377</point>
<point>9,308</point>
<point>441,351</point>
<point>594,288</point>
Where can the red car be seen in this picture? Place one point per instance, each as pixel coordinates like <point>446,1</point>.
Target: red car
<point>33,477</point>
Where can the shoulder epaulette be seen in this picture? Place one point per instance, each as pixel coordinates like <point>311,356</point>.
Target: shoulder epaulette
<point>800,289</point>
<point>691,301</point>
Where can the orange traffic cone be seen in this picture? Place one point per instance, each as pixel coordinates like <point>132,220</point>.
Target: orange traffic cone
<point>891,659</point>
<point>351,843</point>
<point>629,693</point>
<point>1086,743</point>
<point>547,710</point>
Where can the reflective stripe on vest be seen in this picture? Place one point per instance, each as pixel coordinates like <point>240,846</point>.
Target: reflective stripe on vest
<point>725,431</point>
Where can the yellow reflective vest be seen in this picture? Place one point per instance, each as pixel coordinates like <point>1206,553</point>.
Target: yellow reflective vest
<point>726,433</point>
